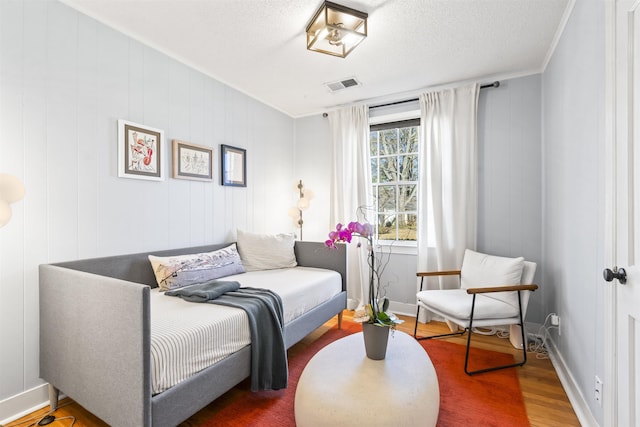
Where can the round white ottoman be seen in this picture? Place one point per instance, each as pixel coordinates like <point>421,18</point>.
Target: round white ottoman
<point>340,386</point>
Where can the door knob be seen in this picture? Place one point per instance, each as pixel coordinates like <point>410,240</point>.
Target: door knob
<point>617,273</point>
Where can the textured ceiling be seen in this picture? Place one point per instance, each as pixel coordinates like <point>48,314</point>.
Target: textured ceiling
<point>258,46</point>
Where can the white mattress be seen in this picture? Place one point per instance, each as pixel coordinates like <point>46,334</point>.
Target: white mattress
<point>188,337</point>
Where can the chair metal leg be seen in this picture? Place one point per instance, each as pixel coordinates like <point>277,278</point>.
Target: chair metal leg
<point>415,331</point>
<point>451,334</point>
<point>495,368</point>
<point>415,328</point>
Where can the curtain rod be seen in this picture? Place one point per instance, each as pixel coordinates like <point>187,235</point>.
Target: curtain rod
<point>489,85</point>
<point>494,84</point>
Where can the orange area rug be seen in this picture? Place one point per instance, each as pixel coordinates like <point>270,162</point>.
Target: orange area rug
<point>490,399</point>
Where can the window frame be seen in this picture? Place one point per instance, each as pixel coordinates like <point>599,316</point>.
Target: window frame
<point>391,121</point>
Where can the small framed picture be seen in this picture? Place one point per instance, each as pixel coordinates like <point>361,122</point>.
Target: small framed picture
<point>140,151</point>
<point>191,161</point>
<point>233,166</point>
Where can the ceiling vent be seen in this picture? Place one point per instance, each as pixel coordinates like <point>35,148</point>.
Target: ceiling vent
<point>342,84</point>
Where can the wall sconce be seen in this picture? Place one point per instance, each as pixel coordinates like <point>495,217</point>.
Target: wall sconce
<point>11,190</point>
<point>304,200</point>
<point>336,30</point>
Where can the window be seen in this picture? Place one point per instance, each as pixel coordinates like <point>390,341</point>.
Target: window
<point>394,173</point>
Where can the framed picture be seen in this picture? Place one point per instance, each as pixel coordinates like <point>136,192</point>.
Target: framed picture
<point>233,166</point>
<point>140,151</point>
<point>191,161</point>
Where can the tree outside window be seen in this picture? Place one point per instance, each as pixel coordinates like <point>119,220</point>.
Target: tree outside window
<point>394,171</point>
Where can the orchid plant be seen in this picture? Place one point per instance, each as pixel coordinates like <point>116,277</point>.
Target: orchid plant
<point>376,311</point>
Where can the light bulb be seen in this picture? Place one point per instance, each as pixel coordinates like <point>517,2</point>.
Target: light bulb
<point>11,189</point>
<point>294,213</point>
<point>308,194</point>
<point>5,213</point>
<point>303,203</point>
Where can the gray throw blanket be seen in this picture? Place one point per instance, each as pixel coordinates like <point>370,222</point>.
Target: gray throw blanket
<point>204,292</point>
<point>269,369</point>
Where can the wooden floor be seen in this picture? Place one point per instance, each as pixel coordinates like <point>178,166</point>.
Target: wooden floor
<point>545,399</point>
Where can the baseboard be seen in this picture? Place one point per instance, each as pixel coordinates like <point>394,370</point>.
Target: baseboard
<point>570,385</point>
<point>24,403</point>
<point>402,308</point>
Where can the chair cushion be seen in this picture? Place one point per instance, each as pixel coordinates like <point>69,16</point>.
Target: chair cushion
<point>482,270</point>
<point>456,304</point>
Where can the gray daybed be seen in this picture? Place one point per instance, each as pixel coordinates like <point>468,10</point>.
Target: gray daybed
<point>95,337</point>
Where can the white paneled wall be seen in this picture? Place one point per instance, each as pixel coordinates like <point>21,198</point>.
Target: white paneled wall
<point>65,80</point>
<point>313,167</point>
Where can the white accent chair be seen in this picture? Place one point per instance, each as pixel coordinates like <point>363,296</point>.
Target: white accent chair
<point>494,291</point>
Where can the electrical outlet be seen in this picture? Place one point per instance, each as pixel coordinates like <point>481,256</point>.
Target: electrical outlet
<point>598,391</point>
<point>555,321</point>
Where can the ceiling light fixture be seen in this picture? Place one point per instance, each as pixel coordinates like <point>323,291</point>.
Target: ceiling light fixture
<point>336,30</point>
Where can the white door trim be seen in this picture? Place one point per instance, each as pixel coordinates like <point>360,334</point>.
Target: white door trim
<point>610,386</point>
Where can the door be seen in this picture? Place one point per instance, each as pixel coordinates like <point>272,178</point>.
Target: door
<point>622,354</point>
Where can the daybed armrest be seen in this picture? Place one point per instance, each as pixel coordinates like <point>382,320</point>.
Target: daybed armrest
<point>531,287</point>
<point>316,254</point>
<point>95,342</point>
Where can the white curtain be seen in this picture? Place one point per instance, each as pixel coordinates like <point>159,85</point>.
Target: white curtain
<point>351,189</point>
<point>448,186</point>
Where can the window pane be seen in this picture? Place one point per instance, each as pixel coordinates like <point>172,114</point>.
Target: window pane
<point>408,167</point>
<point>389,142</point>
<point>386,198</point>
<point>387,227</point>
<point>407,198</point>
<point>407,226</point>
<point>373,143</point>
<point>388,169</point>
<point>409,139</point>
<point>374,170</point>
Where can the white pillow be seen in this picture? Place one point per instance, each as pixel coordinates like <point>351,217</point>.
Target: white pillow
<point>482,270</point>
<point>266,252</point>
<point>184,270</point>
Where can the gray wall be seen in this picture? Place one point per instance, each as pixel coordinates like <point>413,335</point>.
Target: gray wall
<point>510,176</point>
<point>510,185</point>
<point>573,88</point>
<point>65,80</point>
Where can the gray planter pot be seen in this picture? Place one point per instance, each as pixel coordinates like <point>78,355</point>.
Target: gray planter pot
<point>375,340</point>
